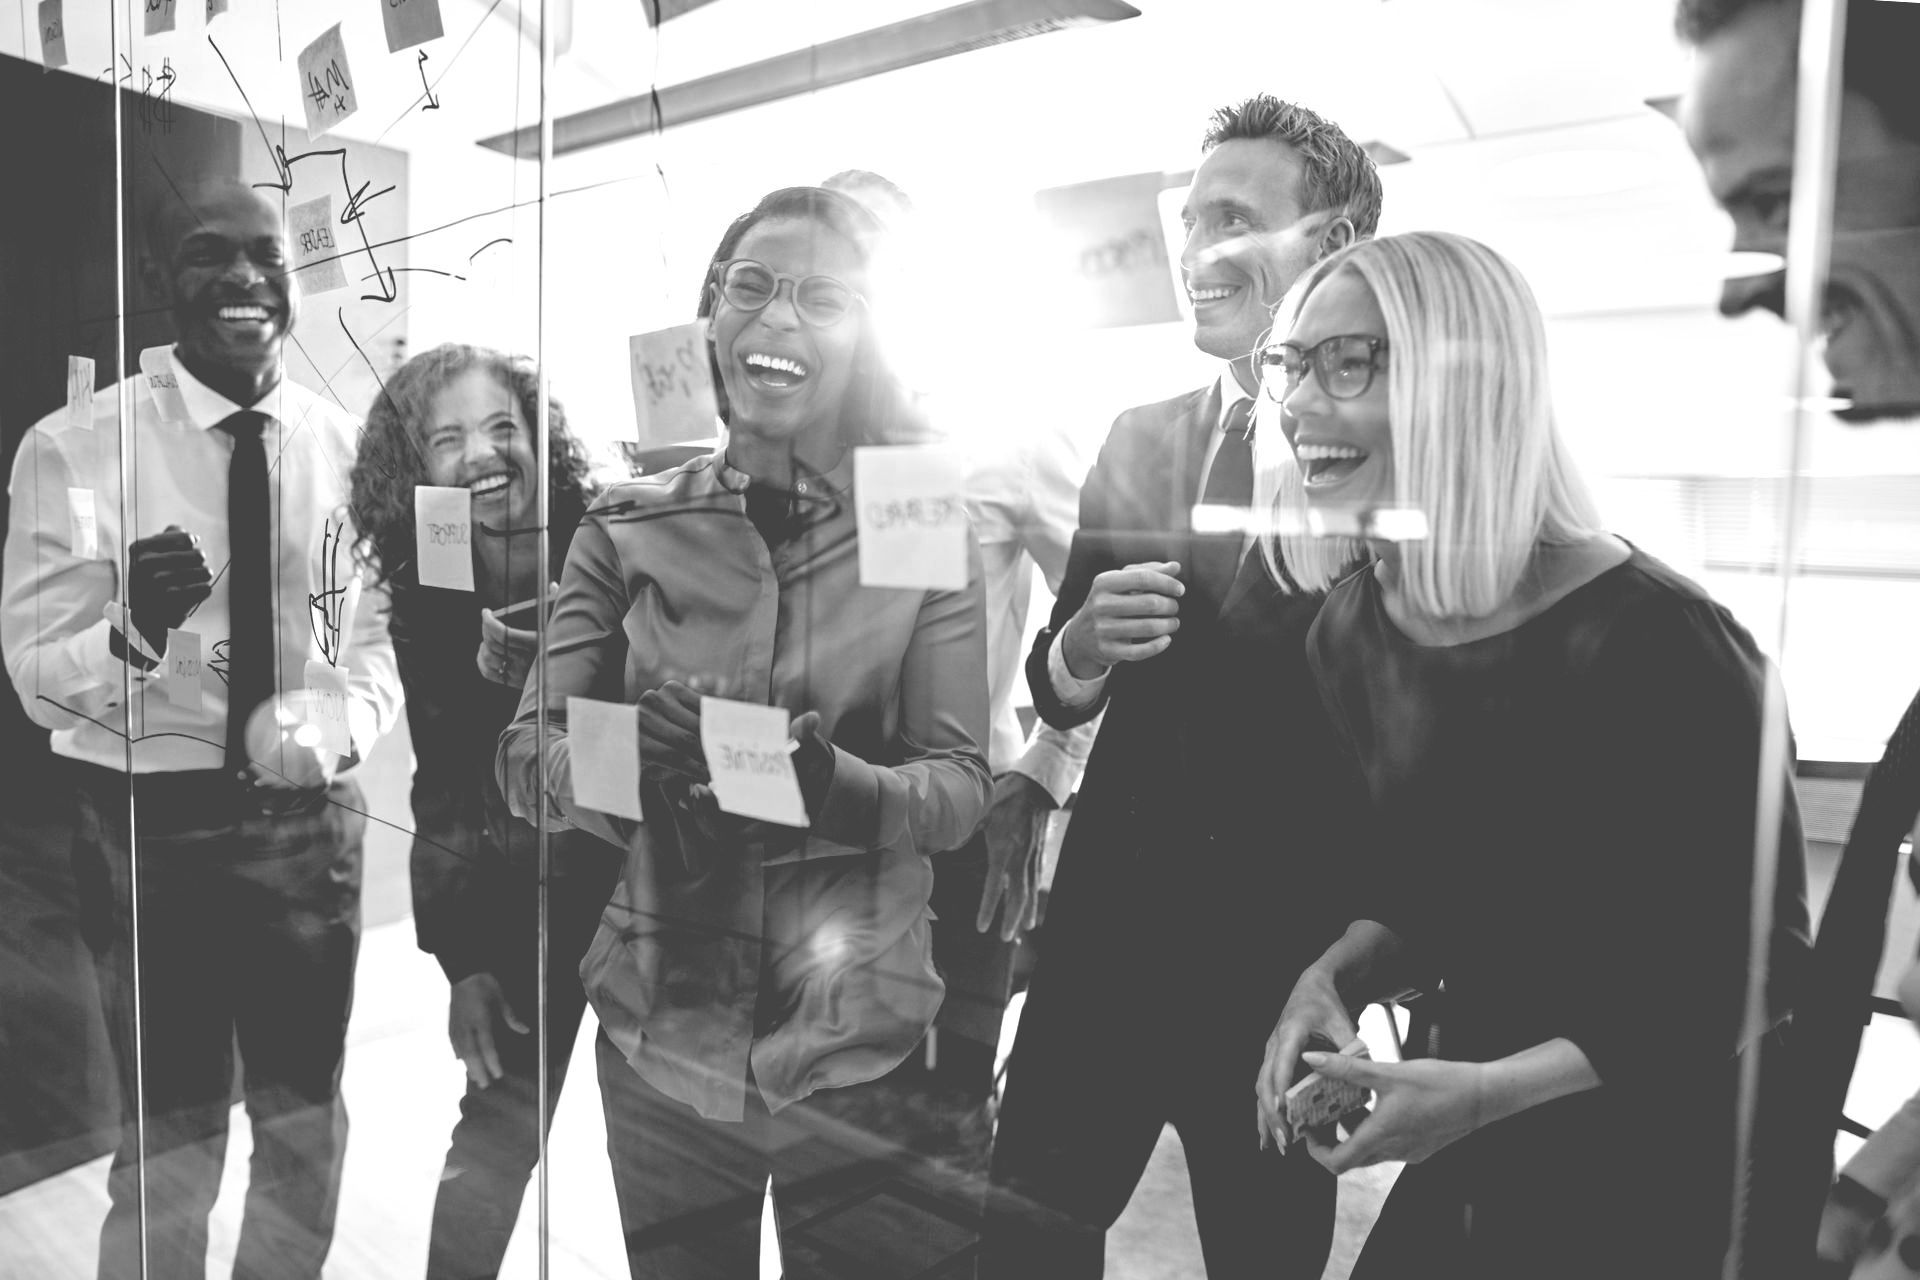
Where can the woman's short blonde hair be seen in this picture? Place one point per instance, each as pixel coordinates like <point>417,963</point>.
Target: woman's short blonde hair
<point>1475,446</point>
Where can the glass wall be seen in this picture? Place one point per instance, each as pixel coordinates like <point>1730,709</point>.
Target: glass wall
<point>437,516</point>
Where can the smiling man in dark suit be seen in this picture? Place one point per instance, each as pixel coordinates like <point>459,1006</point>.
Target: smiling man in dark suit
<point>1205,860</point>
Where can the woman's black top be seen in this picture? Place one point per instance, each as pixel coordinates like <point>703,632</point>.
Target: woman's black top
<point>473,864</point>
<point>1563,818</point>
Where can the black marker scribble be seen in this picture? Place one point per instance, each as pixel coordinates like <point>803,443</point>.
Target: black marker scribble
<point>488,245</point>
<point>325,607</point>
<point>433,103</point>
<point>332,88</point>
<point>217,660</point>
<point>157,107</point>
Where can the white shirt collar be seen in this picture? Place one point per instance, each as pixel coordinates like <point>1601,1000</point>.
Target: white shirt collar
<point>207,408</point>
<point>1231,393</point>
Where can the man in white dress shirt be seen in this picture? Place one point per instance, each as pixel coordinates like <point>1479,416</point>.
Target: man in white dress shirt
<point>205,631</point>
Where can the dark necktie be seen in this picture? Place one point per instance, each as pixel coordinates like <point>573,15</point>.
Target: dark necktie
<point>1229,484</point>
<point>250,650</point>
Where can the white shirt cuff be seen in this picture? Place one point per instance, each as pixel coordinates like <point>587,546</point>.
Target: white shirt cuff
<point>1074,692</point>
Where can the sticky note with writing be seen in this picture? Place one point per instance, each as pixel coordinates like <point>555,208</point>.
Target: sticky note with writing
<point>443,532</point>
<point>316,251</point>
<point>182,669</point>
<point>673,384</point>
<point>159,15</point>
<point>53,34</point>
<point>80,392</point>
<point>326,86</point>
<point>82,527</point>
<point>410,22</point>
<point>325,707</point>
<point>215,8</point>
<point>156,370</point>
<point>603,750</point>
<point>749,762</point>
<point>912,516</point>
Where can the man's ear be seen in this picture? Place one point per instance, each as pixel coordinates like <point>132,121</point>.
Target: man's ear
<point>1336,235</point>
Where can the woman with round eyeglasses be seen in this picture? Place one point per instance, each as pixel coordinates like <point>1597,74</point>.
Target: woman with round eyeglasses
<point>764,989</point>
<point>1561,743</point>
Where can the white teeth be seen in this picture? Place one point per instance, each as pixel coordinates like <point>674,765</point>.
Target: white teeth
<point>1209,295</point>
<point>489,484</point>
<point>244,313</point>
<point>778,363</point>
<point>1325,452</point>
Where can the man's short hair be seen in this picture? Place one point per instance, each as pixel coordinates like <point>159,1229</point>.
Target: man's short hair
<point>1340,174</point>
<point>1883,41</point>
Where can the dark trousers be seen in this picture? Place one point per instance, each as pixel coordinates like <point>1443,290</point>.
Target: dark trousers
<point>977,968</point>
<point>879,1179</point>
<point>1094,1077</point>
<point>497,1139</point>
<point>248,926</point>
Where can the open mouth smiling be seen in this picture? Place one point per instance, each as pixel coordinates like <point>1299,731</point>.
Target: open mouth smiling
<point>775,371</point>
<point>1327,464</point>
<point>245,313</point>
<point>1216,293</point>
<point>487,486</point>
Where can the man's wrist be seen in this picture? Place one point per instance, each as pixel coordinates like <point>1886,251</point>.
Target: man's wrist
<point>1078,665</point>
<point>1016,782</point>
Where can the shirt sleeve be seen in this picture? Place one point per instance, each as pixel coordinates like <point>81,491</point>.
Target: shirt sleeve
<point>933,800</point>
<point>53,598</point>
<point>1890,1161</point>
<point>373,675</point>
<point>586,653</point>
<point>1655,962</point>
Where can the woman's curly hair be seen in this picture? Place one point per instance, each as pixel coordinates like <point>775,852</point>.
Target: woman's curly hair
<point>393,460</point>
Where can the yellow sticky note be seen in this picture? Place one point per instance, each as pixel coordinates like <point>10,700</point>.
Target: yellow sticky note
<point>912,516</point>
<point>673,396</point>
<point>748,761</point>
<point>159,15</point>
<point>182,669</point>
<point>326,85</point>
<point>443,536</point>
<point>53,34</point>
<point>316,249</point>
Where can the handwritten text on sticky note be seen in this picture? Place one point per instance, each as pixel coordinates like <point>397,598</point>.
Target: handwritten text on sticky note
<point>80,392</point>
<point>326,706</point>
<point>83,526</point>
<point>53,34</point>
<point>215,8</point>
<point>912,516</point>
<point>156,370</point>
<point>183,667</point>
<point>410,22</point>
<point>603,748</point>
<point>443,529</point>
<point>748,761</point>
<point>159,15</point>
<point>316,250</point>
<point>673,384</point>
<point>326,86</point>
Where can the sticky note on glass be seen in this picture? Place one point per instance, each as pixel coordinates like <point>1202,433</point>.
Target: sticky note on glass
<point>326,707</point>
<point>443,536</point>
<point>912,516</point>
<point>80,392</point>
<point>53,34</point>
<point>182,669</point>
<point>673,384</point>
<point>159,16</point>
<point>316,253</point>
<point>410,22</point>
<point>156,370</point>
<point>215,8</point>
<point>326,86</point>
<point>748,761</point>
<point>83,529</point>
<point>603,748</point>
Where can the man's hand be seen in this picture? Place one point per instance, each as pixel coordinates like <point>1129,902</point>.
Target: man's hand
<point>166,577</point>
<point>1129,614</point>
<point>1016,830</point>
<point>507,653</point>
<point>670,733</point>
<point>1419,1108</point>
<point>283,749</point>
<point>477,1003</point>
<point>1313,1007</point>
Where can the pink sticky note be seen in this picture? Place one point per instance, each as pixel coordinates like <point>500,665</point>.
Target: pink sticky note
<point>410,22</point>
<point>326,84</point>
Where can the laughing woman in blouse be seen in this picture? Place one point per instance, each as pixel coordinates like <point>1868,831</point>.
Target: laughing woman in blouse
<point>1561,738</point>
<point>764,989</point>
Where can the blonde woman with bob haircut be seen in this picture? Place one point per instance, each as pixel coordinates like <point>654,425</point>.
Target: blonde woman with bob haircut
<point>1560,741</point>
